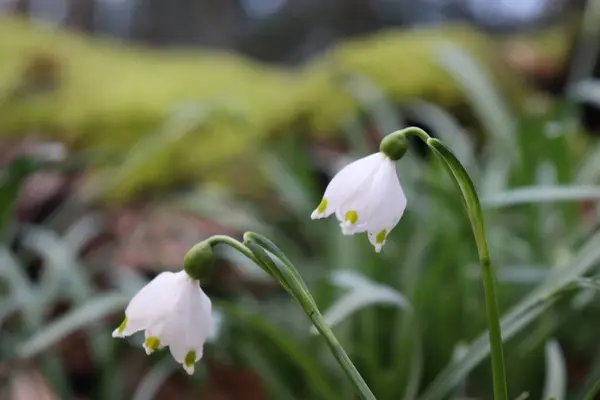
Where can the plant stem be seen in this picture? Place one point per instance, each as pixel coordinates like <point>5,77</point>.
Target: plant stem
<point>289,276</point>
<point>473,207</point>
<point>491,305</point>
<point>229,241</point>
<point>255,247</point>
<point>341,357</point>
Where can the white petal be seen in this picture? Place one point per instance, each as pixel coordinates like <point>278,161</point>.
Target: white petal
<point>387,214</point>
<point>346,183</point>
<point>150,303</point>
<point>189,369</point>
<point>118,333</point>
<point>188,328</point>
<point>368,200</point>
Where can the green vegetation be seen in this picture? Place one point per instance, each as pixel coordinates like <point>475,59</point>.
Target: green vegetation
<point>412,318</point>
<point>108,98</point>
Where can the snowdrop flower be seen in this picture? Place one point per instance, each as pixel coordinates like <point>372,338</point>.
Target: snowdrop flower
<point>366,195</point>
<point>173,311</point>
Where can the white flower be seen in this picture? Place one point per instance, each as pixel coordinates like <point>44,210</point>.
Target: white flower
<point>365,196</point>
<point>174,312</point>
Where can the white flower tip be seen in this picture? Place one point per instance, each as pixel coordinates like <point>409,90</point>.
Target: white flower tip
<point>378,240</point>
<point>320,211</point>
<point>148,350</point>
<point>117,333</point>
<point>120,331</point>
<point>346,226</point>
<point>349,229</point>
<point>316,215</point>
<point>189,369</point>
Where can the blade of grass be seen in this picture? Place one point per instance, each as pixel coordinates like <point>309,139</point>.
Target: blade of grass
<point>92,311</point>
<point>555,386</point>
<point>487,103</point>
<point>541,194</point>
<point>267,371</point>
<point>154,379</point>
<point>315,376</point>
<point>523,313</point>
<point>447,128</point>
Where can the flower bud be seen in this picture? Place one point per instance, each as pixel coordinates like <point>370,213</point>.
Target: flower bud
<point>394,145</point>
<point>198,260</point>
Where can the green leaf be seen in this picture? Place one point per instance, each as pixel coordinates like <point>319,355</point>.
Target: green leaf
<point>63,275</point>
<point>374,101</point>
<point>416,366</point>
<point>555,386</point>
<point>487,103</point>
<point>220,205</point>
<point>268,371</point>
<point>541,194</point>
<point>519,317</point>
<point>455,372</point>
<point>288,186</point>
<point>154,379</point>
<point>315,375</point>
<point>22,296</point>
<point>447,129</point>
<point>10,184</point>
<point>362,293</point>
<point>92,311</point>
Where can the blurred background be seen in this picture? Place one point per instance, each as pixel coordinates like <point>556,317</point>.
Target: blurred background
<point>132,129</point>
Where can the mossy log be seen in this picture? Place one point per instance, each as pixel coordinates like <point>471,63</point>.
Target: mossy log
<point>104,95</point>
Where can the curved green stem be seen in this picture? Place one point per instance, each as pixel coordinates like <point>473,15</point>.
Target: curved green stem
<point>269,268</point>
<point>288,276</point>
<point>473,207</point>
<point>255,247</point>
<point>235,244</point>
<point>342,358</point>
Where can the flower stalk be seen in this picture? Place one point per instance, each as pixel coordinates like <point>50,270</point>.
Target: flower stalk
<point>257,244</point>
<point>366,197</point>
<point>276,264</point>
<point>473,207</point>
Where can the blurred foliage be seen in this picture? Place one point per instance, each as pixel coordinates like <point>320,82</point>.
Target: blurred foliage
<point>412,318</point>
<point>106,96</point>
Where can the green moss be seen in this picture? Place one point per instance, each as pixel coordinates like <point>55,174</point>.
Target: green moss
<point>108,96</point>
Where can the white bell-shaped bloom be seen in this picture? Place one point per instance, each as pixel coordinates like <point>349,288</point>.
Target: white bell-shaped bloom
<point>365,196</point>
<point>173,311</point>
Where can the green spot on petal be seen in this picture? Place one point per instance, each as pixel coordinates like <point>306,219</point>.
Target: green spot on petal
<point>122,327</point>
<point>190,358</point>
<point>351,216</point>
<point>381,236</point>
<point>322,206</point>
<point>152,342</point>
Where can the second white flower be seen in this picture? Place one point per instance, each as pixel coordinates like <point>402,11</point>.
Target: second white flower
<point>366,196</point>
<point>173,311</point>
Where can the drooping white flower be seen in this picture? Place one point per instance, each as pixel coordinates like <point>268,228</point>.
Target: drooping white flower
<point>173,311</point>
<point>365,196</point>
